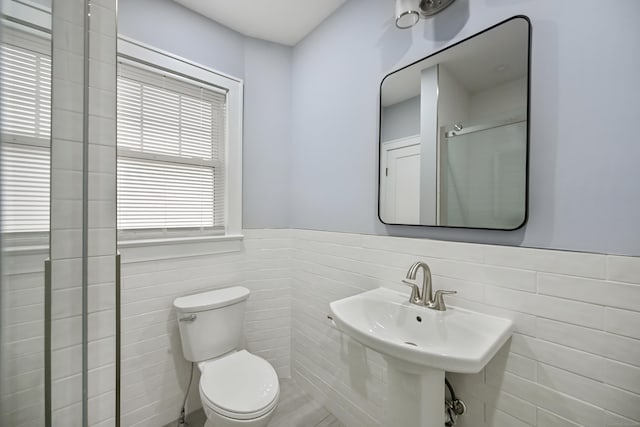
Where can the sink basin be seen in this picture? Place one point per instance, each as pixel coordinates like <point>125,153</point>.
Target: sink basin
<point>455,340</point>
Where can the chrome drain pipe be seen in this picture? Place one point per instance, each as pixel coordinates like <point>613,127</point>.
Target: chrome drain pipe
<point>452,407</point>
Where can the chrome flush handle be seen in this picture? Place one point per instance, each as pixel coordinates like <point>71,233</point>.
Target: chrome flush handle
<point>189,318</point>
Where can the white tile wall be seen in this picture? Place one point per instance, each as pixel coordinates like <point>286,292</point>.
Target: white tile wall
<point>66,208</point>
<point>102,212</point>
<point>22,379</point>
<point>154,372</point>
<point>574,359</point>
<point>66,211</point>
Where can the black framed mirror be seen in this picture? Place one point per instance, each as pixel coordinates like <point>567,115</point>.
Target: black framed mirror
<point>454,134</point>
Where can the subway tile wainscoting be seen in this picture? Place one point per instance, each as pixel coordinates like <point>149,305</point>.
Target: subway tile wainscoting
<point>24,278</point>
<point>86,123</point>
<point>574,358</point>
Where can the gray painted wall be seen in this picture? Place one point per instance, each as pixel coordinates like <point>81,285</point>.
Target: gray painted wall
<point>584,192</point>
<point>266,70</point>
<point>401,120</point>
<point>316,168</point>
<point>267,138</point>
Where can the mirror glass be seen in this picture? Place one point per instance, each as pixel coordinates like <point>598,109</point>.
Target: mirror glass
<point>454,134</point>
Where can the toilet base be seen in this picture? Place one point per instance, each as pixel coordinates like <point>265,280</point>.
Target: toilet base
<point>216,420</point>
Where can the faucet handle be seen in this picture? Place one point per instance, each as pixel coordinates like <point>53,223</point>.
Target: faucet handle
<point>415,290</point>
<point>438,299</point>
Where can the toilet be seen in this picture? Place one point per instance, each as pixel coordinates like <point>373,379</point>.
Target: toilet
<point>237,388</point>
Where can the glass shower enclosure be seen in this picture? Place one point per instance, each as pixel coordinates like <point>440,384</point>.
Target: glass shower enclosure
<point>58,335</point>
<point>482,183</point>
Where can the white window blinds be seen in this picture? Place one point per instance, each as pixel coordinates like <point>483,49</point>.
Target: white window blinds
<point>171,138</point>
<point>25,102</point>
<point>25,188</point>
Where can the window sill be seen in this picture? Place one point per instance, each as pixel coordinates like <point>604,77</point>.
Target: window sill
<point>25,243</point>
<point>26,250</point>
<point>141,250</point>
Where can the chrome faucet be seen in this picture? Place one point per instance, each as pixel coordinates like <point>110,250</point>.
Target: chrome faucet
<point>417,297</point>
<point>425,297</point>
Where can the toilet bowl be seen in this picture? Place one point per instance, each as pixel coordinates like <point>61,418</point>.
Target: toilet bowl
<point>237,388</point>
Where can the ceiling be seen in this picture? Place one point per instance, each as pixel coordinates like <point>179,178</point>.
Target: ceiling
<point>280,21</point>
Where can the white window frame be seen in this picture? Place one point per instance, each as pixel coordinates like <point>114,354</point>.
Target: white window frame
<point>28,11</point>
<point>135,53</point>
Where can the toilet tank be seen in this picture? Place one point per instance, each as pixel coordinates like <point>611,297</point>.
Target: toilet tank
<point>211,323</point>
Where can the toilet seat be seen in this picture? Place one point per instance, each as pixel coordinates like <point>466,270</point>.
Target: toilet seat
<point>240,386</point>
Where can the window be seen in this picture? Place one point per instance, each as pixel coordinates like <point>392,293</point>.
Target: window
<point>174,131</point>
<point>170,152</point>
<point>25,96</point>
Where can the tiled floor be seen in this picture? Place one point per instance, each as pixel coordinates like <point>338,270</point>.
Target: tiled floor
<point>295,409</point>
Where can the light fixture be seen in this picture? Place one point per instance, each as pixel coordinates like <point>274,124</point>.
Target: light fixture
<point>408,12</point>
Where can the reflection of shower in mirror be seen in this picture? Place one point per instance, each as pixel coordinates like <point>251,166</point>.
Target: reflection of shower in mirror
<point>480,178</point>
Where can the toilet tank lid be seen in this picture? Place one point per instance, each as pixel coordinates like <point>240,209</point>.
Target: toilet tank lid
<point>212,299</point>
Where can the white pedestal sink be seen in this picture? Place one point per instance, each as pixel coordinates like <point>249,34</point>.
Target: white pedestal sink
<point>420,345</point>
<point>415,399</point>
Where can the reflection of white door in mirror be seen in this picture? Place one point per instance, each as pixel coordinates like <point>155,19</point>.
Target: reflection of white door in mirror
<point>400,181</point>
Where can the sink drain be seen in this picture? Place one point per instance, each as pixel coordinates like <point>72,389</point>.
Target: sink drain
<point>411,343</point>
